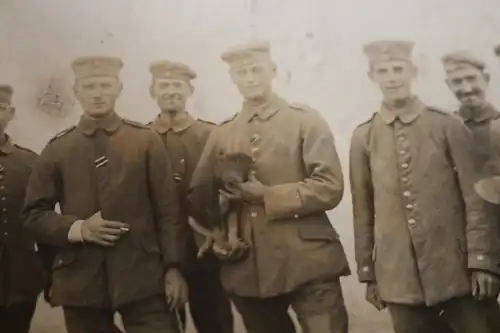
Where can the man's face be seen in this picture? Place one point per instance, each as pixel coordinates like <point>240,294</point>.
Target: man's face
<point>97,95</point>
<point>394,78</point>
<point>254,78</point>
<point>6,115</point>
<point>469,84</point>
<point>171,94</point>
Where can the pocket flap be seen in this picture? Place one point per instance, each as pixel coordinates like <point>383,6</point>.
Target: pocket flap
<point>63,259</point>
<point>318,232</point>
<point>151,246</point>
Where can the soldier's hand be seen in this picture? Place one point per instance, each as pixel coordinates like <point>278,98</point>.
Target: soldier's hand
<point>373,296</point>
<point>252,190</point>
<point>102,232</point>
<point>176,289</point>
<point>484,285</point>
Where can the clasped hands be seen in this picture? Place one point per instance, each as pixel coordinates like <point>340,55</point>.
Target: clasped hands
<point>484,286</point>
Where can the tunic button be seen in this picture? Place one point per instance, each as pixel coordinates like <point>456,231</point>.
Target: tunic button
<point>366,269</point>
<point>296,216</point>
<point>253,172</point>
<point>254,214</point>
<point>404,166</point>
<point>255,149</point>
<point>3,198</point>
<point>402,152</point>
<point>407,193</point>
<point>405,180</point>
<point>6,233</point>
<point>409,206</point>
<point>182,161</point>
<point>4,210</point>
<point>254,139</point>
<point>480,257</point>
<point>411,221</point>
<point>401,138</point>
<point>2,187</point>
<point>60,262</point>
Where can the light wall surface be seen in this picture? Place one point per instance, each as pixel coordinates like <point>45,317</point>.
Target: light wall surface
<point>316,43</point>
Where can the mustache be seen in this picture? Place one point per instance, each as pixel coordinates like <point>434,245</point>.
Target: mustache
<point>171,96</point>
<point>474,92</point>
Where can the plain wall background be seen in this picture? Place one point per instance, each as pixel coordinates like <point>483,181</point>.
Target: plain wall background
<point>317,45</point>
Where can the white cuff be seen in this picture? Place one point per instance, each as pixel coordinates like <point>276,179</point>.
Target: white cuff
<point>75,232</point>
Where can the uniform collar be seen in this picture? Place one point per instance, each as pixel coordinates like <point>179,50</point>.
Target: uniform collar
<point>263,111</point>
<point>178,123</point>
<point>110,124</point>
<point>406,114</point>
<point>483,113</point>
<point>7,146</point>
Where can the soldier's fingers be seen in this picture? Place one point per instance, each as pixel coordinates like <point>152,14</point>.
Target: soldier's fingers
<point>103,242</point>
<point>475,287</point>
<point>109,238</point>
<point>111,231</point>
<point>116,225</point>
<point>483,289</point>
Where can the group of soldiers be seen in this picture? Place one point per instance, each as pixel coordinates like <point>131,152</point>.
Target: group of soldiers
<point>182,210</point>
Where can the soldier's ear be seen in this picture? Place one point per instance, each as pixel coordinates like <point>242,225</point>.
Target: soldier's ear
<point>448,83</point>
<point>487,77</point>
<point>120,87</point>
<point>191,89</point>
<point>12,112</point>
<point>152,91</point>
<point>274,69</point>
<point>414,71</point>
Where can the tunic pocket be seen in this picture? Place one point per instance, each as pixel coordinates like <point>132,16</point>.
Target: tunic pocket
<point>63,259</point>
<point>150,246</point>
<point>318,233</point>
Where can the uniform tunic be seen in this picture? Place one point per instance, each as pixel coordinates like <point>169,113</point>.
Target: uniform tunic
<point>118,167</point>
<point>419,226</point>
<point>478,121</point>
<point>292,239</point>
<point>184,140</point>
<point>21,274</point>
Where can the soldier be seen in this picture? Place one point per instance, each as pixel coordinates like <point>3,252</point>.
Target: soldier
<point>467,78</point>
<point>296,257</point>
<point>184,138</point>
<point>120,238</point>
<point>21,274</point>
<point>421,237</point>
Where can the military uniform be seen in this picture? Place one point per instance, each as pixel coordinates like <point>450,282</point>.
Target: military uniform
<point>22,276</point>
<point>118,167</point>
<point>419,226</point>
<point>296,257</point>
<point>184,138</point>
<point>478,121</point>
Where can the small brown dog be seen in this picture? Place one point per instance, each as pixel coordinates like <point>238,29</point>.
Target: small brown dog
<point>224,240</point>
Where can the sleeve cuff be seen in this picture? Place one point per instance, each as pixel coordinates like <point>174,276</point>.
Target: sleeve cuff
<point>282,201</point>
<point>484,263</point>
<point>75,232</point>
<point>366,273</point>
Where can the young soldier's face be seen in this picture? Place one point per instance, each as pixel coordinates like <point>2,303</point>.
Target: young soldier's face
<point>254,78</point>
<point>171,94</point>
<point>6,114</point>
<point>469,84</point>
<point>394,78</point>
<point>97,95</point>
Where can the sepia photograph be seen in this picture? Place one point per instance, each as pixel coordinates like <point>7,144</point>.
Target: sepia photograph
<point>249,166</point>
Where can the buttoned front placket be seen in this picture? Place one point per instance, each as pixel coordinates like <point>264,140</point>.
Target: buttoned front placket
<point>404,160</point>
<point>3,203</point>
